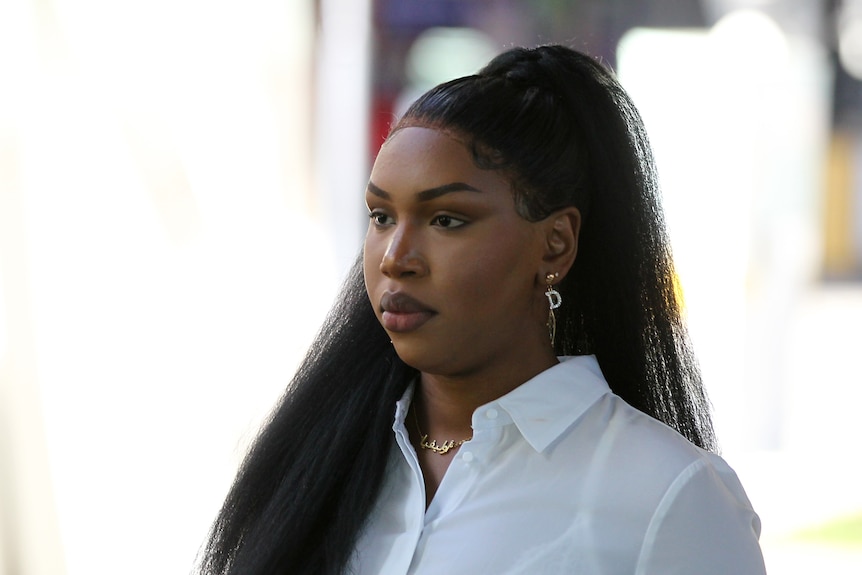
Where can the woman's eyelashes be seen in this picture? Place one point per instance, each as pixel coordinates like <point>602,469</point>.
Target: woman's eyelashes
<point>380,219</point>
<point>445,221</point>
<point>448,222</point>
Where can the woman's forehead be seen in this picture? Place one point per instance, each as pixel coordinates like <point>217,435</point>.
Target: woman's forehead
<point>420,156</point>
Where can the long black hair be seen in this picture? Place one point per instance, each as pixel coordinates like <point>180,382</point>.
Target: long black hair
<point>561,127</point>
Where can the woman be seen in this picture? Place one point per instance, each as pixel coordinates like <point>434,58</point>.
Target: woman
<point>506,384</point>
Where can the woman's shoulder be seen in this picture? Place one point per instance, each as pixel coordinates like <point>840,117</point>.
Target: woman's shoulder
<point>644,445</point>
<point>630,443</point>
<point>569,414</point>
<point>638,484</point>
<point>699,514</point>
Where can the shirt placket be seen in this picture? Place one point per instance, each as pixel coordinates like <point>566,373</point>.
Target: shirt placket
<point>461,478</point>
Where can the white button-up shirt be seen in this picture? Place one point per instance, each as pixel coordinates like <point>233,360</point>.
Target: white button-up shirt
<point>562,477</point>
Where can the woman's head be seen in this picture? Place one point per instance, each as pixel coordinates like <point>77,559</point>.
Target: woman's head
<point>563,132</point>
<point>455,273</point>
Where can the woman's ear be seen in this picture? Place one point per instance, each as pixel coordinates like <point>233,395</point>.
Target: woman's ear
<point>562,229</point>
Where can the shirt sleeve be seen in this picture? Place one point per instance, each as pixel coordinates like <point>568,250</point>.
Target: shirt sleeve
<point>704,525</point>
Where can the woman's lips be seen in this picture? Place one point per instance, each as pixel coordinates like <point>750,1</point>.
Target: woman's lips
<point>402,313</point>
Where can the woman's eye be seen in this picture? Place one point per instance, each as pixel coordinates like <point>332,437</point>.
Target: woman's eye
<point>380,218</point>
<point>447,222</point>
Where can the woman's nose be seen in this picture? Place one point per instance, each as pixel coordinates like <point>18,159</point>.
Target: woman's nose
<point>402,256</point>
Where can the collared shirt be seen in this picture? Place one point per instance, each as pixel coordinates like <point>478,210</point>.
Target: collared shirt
<point>561,477</point>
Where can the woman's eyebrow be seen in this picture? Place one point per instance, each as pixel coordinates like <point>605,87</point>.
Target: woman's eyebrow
<point>429,194</point>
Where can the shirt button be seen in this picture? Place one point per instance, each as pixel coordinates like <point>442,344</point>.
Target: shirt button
<point>467,456</point>
<point>491,413</point>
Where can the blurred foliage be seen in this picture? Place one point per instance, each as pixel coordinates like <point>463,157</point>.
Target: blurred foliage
<point>845,531</point>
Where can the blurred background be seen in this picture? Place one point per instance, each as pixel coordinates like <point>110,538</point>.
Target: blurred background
<point>181,194</point>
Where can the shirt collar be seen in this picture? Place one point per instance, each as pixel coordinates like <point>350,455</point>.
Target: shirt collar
<point>545,406</point>
<point>548,404</point>
<point>403,406</point>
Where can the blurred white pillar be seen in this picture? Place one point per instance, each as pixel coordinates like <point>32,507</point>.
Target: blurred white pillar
<point>342,120</point>
<point>155,248</point>
<point>29,533</point>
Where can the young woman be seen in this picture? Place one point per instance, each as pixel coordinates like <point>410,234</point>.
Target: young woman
<point>505,384</point>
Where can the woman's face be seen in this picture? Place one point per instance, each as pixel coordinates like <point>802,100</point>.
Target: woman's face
<point>454,274</point>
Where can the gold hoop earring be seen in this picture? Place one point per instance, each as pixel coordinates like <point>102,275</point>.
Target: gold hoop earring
<point>555,300</point>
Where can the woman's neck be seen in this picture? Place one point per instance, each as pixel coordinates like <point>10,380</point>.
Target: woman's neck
<point>445,403</point>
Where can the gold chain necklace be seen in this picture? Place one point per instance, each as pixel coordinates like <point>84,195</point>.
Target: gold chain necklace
<point>441,449</point>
